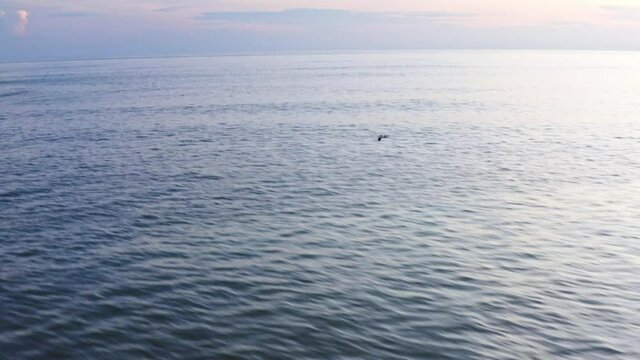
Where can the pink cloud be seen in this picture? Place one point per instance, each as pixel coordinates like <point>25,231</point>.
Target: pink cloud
<point>20,28</point>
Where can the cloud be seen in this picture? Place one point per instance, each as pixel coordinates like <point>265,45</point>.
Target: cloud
<point>122,28</point>
<point>2,14</point>
<point>170,9</point>
<point>307,18</point>
<point>275,21</point>
<point>20,29</point>
<point>631,13</point>
<point>573,24</point>
<point>292,15</point>
<point>76,14</point>
<point>433,15</point>
<point>253,26</point>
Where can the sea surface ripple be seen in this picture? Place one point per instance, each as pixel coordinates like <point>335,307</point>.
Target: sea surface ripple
<point>242,207</point>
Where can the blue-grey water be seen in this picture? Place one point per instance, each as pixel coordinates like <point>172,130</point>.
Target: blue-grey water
<point>241,207</point>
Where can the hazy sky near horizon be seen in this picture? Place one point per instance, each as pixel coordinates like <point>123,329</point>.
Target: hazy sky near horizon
<point>41,29</point>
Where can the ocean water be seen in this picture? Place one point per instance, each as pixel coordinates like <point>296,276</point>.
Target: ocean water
<point>241,207</point>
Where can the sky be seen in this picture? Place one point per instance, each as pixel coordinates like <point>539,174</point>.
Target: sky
<point>79,29</point>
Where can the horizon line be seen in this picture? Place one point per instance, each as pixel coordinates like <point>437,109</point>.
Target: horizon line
<point>301,52</point>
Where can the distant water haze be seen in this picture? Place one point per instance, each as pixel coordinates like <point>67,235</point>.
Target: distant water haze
<point>243,207</point>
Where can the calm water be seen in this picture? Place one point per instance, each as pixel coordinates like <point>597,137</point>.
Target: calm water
<point>241,207</point>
